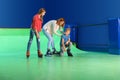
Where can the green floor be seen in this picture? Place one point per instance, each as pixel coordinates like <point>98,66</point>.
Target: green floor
<point>83,66</point>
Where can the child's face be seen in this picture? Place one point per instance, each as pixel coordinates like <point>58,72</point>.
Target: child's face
<point>67,32</point>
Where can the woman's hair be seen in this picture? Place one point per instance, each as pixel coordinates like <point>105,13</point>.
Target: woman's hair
<point>41,10</point>
<point>59,20</point>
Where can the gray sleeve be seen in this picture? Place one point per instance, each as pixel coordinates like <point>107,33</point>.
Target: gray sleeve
<point>54,30</point>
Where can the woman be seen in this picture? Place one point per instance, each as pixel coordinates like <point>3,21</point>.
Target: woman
<point>50,28</point>
<point>35,30</point>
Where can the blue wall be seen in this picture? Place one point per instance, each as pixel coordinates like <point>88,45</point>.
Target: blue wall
<point>94,38</point>
<point>114,38</point>
<point>83,11</point>
<point>18,13</point>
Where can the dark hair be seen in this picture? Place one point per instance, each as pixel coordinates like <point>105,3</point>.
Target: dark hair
<point>61,19</point>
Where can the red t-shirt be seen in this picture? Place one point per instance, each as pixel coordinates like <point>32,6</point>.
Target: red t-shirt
<point>37,23</point>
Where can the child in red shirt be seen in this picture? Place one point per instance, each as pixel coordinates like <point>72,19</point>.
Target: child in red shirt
<point>35,29</point>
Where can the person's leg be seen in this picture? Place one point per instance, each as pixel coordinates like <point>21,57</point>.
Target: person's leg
<point>53,46</point>
<point>38,43</point>
<point>69,45</point>
<point>38,47</point>
<point>50,39</point>
<point>52,43</point>
<point>29,42</point>
<point>69,49</point>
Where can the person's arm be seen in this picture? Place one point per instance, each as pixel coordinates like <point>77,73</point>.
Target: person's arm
<point>35,27</point>
<point>61,30</point>
<point>37,34</point>
<point>68,41</point>
<point>54,30</point>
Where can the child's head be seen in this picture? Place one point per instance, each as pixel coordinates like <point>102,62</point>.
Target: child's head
<point>61,22</point>
<point>67,31</point>
<point>42,11</point>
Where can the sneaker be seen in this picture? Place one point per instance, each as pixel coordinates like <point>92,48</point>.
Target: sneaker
<point>54,51</point>
<point>69,53</point>
<point>48,53</point>
<point>40,55</point>
<point>28,54</point>
<point>60,53</point>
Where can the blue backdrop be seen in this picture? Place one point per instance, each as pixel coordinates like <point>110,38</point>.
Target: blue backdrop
<point>87,12</point>
<point>83,11</point>
<point>18,13</point>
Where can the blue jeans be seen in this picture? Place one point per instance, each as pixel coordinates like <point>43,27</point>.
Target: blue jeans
<point>50,40</point>
<point>32,33</point>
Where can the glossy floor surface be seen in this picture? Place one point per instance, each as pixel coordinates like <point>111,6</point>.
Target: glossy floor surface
<point>83,66</point>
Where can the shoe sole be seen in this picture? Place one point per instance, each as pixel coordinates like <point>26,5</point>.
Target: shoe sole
<point>48,55</point>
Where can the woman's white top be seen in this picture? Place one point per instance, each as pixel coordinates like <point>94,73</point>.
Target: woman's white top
<point>51,27</point>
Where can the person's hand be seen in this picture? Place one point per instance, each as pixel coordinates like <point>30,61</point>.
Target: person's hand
<point>38,36</point>
<point>67,43</point>
<point>60,35</point>
<point>64,49</point>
